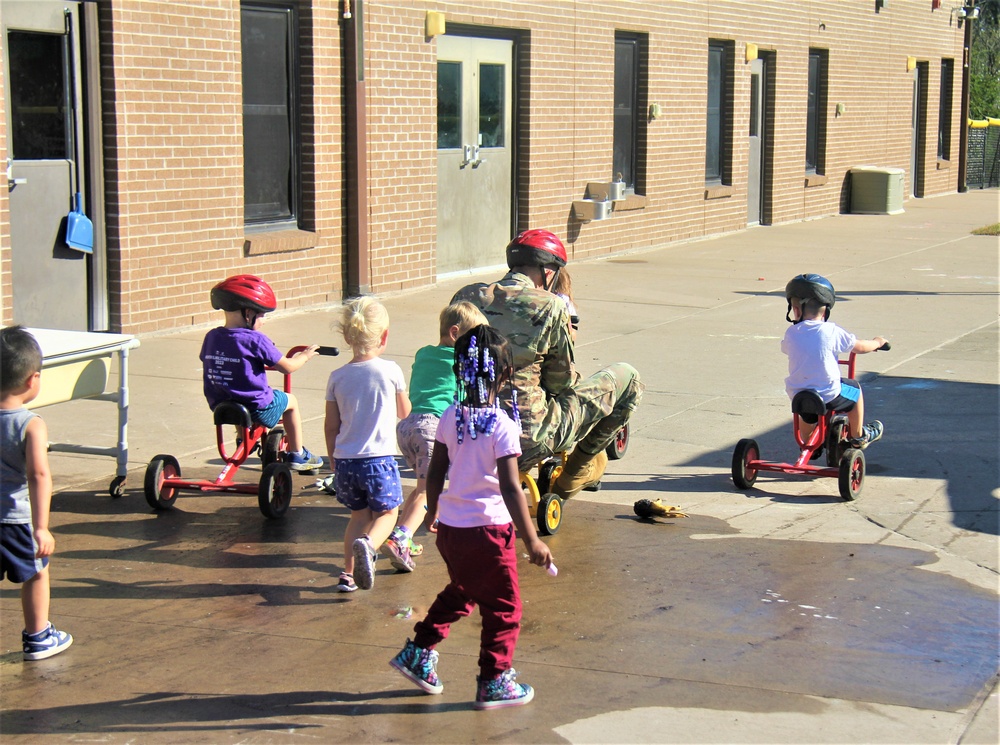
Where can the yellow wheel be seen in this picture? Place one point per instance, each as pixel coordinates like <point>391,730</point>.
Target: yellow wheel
<point>549,514</point>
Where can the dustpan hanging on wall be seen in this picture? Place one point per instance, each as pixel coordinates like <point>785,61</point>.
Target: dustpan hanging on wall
<point>79,229</point>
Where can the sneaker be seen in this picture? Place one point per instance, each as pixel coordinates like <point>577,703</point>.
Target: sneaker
<point>398,554</point>
<point>45,643</point>
<point>869,434</point>
<point>346,583</point>
<point>419,666</point>
<point>303,461</point>
<point>364,562</point>
<point>502,691</point>
<point>415,548</point>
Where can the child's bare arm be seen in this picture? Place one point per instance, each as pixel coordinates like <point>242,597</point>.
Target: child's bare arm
<point>331,427</point>
<point>403,406</point>
<point>287,365</point>
<point>517,505</point>
<point>864,346</point>
<point>437,471</point>
<point>36,452</point>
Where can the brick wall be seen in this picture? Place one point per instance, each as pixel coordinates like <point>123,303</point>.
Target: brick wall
<point>172,120</point>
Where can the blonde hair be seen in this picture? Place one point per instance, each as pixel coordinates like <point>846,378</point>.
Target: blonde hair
<point>363,323</point>
<point>463,314</point>
<point>563,285</point>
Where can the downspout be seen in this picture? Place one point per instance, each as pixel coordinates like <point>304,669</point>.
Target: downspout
<point>356,142</point>
<point>963,132</point>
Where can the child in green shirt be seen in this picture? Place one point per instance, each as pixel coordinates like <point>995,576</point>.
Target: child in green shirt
<point>432,390</point>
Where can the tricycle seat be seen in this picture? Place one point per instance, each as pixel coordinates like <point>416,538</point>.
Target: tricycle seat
<point>230,412</point>
<point>809,403</point>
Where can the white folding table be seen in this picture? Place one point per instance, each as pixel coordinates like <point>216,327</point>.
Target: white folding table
<point>76,365</point>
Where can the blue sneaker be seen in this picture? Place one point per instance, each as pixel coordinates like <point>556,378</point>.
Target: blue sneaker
<point>495,693</point>
<point>419,666</point>
<point>303,461</point>
<point>46,643</point>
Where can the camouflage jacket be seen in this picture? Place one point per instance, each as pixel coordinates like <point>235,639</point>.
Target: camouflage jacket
<point>536,323</point>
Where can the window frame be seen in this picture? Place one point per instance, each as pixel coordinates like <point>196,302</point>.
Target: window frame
<point>292,214</point>
<point>945,104</point>
<point>632,171</point>
<point>719,160</point>
<point>817,88</point>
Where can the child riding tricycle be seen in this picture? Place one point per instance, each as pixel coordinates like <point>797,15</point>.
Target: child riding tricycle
<point>827,410</point>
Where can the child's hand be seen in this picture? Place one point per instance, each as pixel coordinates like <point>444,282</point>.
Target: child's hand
<point>538,552</point>
<point>308,352</point>
<point>45,542</point>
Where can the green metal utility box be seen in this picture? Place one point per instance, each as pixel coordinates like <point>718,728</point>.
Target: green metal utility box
<point>877,191</point>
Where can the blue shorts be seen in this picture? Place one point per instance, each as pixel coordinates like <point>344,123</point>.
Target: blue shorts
<point>17,553</point>
<point>850,392</point>
<point>271,414</point>
<point>368,483</point>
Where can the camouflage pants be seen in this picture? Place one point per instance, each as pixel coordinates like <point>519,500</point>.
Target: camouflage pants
<point>588,415</point>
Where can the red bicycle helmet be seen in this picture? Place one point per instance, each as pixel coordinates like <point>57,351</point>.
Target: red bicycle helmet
<point>536,248</point>
<point>810,287</point>
<point>244,292</point>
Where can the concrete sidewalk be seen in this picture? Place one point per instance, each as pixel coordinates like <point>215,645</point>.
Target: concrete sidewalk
<point>781,614</point>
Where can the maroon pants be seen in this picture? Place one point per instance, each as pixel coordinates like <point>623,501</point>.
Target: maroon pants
<point>482,565</point>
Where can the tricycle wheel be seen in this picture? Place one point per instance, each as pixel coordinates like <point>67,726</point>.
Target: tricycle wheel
<point>270,450</point>
<point>619,446</point>
<point>744,475</point>
<point>161,467</point>
<point>549,514</point>
<point>117,487</point>
<point>836,442</point>
<point>547,474</point>
<point>852,474</point>
<point>275,492</point>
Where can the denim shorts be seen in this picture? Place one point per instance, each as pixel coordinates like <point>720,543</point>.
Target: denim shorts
<point>368,483</point>
<point>17,553</point>
<point>271,414</point>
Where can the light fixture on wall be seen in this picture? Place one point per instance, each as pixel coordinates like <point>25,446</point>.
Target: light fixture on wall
<point>434,23</point>
<point>911,64</point>
<point>751,52</point>
<point>967,12</point>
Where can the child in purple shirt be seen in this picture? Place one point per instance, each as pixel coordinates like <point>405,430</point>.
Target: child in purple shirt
<point>236,358</point>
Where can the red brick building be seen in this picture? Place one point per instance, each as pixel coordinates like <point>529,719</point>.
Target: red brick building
<point>375,145</point>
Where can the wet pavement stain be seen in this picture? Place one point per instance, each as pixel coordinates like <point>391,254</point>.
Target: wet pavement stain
<point>213,620</point>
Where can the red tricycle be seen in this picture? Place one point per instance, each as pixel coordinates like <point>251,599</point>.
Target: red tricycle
<point>274,490</point>
<point>843,462</point>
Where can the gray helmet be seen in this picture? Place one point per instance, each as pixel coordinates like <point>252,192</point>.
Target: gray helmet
<point>810,287</point>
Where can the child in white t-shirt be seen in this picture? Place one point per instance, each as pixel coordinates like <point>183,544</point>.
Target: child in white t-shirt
<point>363,400</point>
<point>477,446</point>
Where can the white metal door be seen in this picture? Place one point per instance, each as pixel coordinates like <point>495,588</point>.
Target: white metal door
<point>755,142</point>
<point>45,129</point>
<point>474,196</point>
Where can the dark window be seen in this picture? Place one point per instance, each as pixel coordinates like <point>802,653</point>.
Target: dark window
<point>944,110</point>
<point>628,49</point>
<point>491,97</point>
<point>449,104</point>
<point>718,114</point>
<point>270,122</point>
<point>815,112</point>
<point>39,96</point>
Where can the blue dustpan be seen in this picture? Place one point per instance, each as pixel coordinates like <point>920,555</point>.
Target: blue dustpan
<point>79,229</point>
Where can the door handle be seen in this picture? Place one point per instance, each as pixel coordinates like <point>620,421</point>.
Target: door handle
<point>11,181</point>
<point>476,160</point>
<point>466,156</point>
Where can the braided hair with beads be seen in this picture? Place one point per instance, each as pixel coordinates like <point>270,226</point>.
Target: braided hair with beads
<point>483,363</point>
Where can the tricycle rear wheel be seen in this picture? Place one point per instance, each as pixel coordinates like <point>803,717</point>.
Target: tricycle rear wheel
<point>619,446</point>
<point>836,442</point>
<point>160,468</point>
<point>744,475</point>
<point>270,451</point>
